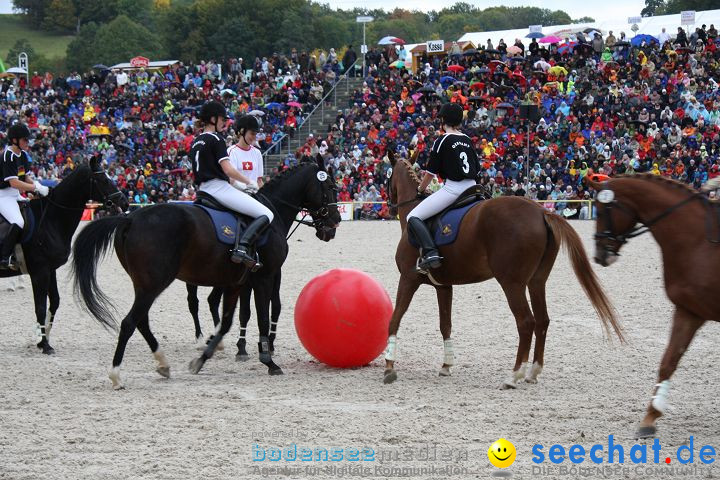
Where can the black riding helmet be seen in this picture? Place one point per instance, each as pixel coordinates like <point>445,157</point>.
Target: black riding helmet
<point>247,123</point>
<point>18,131</point>
<point>212,109</point>
<point>451,114</point>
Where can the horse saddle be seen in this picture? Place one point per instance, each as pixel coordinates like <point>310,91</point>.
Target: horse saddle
<point>226,221</point>
<point>28,229</point>
<point>445,225</point>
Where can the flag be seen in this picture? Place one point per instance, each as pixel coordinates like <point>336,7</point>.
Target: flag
<point>2,66</point>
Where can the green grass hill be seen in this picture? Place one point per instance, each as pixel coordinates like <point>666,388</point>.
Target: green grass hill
<point>13,28</point>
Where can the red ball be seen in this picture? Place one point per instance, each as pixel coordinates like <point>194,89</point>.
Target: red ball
<point>342,318</point>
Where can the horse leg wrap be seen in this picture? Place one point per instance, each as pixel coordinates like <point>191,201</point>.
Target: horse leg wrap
<point>40,333</point>
<point>449,356</point>
<point>264,349</point>
<point>160,358</point>
<point>391,350</point>
<point>659,400</point>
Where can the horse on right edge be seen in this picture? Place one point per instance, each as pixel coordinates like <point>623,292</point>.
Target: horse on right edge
<point>686,226</point>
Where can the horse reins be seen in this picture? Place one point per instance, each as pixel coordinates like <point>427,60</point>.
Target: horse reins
<point>108,198</point>
<point>637,230</point>
<point>318,215</point>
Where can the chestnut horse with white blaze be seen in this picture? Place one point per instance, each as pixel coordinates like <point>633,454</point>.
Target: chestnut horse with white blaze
<point>686,226</point>
<point>511,239</point>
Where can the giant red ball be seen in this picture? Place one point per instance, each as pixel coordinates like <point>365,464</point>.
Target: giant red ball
<point>342,318</point>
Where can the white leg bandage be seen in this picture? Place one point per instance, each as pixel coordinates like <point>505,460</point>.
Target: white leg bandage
<point>160,358</point>
<point>520,374</point>
<point>659,400</point>
<point>115,378</point>
<point>391,350</point>
<point>449,356</point>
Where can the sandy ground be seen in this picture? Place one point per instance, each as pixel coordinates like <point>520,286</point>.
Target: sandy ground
<point>59,417</point>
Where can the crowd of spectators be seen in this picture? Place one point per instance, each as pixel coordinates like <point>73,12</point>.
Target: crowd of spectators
<point>608,104</point>
<point>140,122</point>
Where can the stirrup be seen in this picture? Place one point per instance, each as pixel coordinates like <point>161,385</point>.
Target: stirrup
<point>427,262</point>
<point>240,255</point>
<point>8,263</point>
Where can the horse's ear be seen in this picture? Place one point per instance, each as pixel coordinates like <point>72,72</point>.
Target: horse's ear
<point>414,156</point>
<point>391,156</point>
<point>94,163</point>
<point>320,162</point>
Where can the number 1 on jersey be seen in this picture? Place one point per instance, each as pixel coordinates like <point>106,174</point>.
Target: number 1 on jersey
<point>197,161</point>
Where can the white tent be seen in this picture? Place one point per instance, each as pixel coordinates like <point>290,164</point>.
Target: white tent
<point>16,71</point>
<point>649,25</point>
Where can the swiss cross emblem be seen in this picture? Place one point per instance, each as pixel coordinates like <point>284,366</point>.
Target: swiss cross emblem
<point>247,165</point>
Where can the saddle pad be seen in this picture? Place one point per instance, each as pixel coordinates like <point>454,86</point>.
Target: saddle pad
<point>445,229</point>
<point>226,226</point>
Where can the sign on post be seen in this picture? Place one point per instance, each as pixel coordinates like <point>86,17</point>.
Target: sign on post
<point>634,20</point>
<point>687,17</point>
<point>435,46</point>
<point>535,28</point>
<point>23,61</point>
<point>138,62</point>
<point>363,49</point>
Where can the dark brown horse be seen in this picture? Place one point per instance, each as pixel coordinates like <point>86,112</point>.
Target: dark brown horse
<point>685,225</point>
<point>509,238</point>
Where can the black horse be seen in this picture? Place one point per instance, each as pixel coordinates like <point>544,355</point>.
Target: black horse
<point>245,313</point>
<point>57,217</point>
<point>158,244</point>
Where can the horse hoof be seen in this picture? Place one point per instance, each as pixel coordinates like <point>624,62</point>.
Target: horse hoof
<point>508,385</point>
<point>445,372</point>
<point>163,371</point>
<point>390,376</point>
<point>196,365</point>
<point>646,432</point>
<point>275,371</point>
<point>531,380</point>
<point>119,386</point>
<point>242,357</point>
<point>46,349</point>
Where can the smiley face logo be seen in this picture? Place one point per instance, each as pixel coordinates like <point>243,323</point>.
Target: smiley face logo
<point>502,453</point>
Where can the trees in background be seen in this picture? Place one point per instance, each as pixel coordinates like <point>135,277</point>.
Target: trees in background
<point>109,31</point>
<point>669,7</point>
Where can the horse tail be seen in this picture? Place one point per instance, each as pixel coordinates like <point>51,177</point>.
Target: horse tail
<point>566,235</point>
<point>91,244</point>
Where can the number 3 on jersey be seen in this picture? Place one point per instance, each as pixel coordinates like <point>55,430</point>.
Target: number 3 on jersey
<point>466,165</point>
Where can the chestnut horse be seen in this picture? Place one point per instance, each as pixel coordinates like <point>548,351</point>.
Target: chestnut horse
<point>685,225</point>
<point>509,238</point>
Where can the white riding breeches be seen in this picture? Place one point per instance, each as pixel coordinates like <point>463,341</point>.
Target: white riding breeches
<point>440,200</point>
<point>234,199</point>
<point>9,208</point>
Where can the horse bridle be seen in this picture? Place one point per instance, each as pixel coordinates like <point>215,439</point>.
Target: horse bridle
<point>636,231</point>
<point>108,199</point>
<point>319,215</point>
